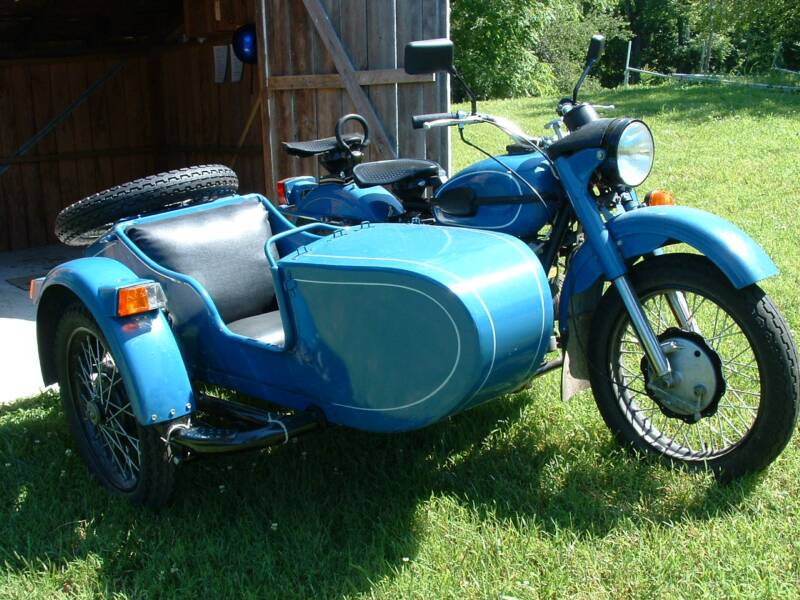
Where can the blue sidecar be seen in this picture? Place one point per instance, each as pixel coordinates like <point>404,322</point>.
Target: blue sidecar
<point>376,327</point>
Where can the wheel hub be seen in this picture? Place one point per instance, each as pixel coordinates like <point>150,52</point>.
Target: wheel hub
<point>697,382</point>
<point>94,413</point>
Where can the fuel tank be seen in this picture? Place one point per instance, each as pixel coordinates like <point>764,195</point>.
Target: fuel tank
<point>498,200</point>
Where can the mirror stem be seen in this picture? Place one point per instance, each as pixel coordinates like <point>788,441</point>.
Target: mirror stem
<point>454,72</point>
<point>580,80</point>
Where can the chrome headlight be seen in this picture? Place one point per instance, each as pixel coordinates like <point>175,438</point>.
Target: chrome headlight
<point>630,152</point>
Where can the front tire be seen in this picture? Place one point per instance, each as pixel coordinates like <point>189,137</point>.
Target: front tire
<point>130,460</point>
<point>755,416</point>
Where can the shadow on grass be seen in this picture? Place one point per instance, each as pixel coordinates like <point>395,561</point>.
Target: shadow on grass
<point>329,515</point>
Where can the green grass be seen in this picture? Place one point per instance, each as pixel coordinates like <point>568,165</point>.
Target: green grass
<point>525,497</point>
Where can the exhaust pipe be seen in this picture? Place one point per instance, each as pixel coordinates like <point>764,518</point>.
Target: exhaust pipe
<point>215,440</point>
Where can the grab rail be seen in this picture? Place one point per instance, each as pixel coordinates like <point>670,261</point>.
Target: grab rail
<point>289,232</point>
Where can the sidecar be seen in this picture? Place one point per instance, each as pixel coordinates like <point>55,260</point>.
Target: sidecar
<point>376,327</point>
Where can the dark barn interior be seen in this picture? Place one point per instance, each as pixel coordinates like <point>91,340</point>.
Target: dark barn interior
<point>156,107</point>
<point>95,93</point>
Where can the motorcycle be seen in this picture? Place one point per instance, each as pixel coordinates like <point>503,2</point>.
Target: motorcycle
<point>188,290</point>
<point>686,355</point>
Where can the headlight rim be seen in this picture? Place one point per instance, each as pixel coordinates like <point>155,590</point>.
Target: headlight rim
<point>611,140</point>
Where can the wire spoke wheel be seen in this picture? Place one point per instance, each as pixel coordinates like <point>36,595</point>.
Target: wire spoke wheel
<point>103,407</point>
<point>744,407</point>
<point>128,458</point>
<point>736,412</point>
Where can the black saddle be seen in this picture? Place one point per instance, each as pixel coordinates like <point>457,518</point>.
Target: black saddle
<point>388,172</point>
<point>315,147</point>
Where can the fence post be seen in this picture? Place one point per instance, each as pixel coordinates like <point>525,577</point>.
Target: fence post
<point>628,63</point>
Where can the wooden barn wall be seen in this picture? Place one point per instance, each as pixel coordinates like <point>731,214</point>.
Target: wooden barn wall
<point>374,34</point>
<point>158,112</point>
<point>200,121</point>
<point>107,140</point>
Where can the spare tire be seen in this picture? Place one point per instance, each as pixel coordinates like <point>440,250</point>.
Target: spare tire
<point>82,223</point>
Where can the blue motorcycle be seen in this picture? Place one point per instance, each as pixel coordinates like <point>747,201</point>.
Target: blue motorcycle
<point>201,321</point>
<point>686,355</point>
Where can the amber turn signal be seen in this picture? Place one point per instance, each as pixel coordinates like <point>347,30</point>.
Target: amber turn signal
<point>139,298</point>
<point>659,198</point>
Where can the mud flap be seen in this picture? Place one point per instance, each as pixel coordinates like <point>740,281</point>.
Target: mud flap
<point>575,372</point>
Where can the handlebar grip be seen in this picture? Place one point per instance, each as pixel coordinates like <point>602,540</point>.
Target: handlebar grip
<point>418,121</point>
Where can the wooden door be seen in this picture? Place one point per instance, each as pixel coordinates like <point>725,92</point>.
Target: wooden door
<point>321,59</point>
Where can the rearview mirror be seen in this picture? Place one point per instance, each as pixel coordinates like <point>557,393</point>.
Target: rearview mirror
<point>596,47</point>
<point>429,56</point>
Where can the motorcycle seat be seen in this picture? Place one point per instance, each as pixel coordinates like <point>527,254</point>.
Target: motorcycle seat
<point>387,172</point>
<point>314,147</point>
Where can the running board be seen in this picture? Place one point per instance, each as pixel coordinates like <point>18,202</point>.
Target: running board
<point>215,440</point>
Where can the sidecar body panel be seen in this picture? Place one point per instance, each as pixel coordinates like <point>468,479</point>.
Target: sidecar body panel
<point>422,322</point>
<point>388,327</point>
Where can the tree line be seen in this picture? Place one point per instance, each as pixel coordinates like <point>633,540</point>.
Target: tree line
<point>535,47</point>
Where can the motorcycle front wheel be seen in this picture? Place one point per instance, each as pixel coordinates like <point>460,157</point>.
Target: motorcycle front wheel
<point>748,343</point>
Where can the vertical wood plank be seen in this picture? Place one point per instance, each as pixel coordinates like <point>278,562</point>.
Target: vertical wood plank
<point>49,171</point>
<point>280,34</point>
<point>77,85</point>
<point>329,102</point>
<point>29,173</point>
<point>98,105</point>
<point>64,133</point>
<point>269,149</point>
<point>382,54</point>
<point>411,142</point>
<point>305,110</point>
<point>16,226</point>
<point>118,123</point>
<point>352,28</point>
<point>156,107</point>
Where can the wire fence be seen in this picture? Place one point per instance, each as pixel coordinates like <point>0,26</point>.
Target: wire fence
<point>707,78</point>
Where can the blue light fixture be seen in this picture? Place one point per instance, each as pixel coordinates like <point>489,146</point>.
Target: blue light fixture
<point>244,44</point>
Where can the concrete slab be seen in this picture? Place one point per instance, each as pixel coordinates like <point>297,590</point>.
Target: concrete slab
<point>19,358</point>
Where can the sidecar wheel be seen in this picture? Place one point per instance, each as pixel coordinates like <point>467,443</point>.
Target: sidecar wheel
<point>128,459</point>
<point>752,417</point>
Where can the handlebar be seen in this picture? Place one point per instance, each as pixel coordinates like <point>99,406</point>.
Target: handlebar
<point>418,121</point>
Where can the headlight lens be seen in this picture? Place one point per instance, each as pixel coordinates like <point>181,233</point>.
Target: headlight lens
<point>635,151</point>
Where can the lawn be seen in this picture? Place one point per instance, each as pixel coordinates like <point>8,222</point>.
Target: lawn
<point>525,497</point>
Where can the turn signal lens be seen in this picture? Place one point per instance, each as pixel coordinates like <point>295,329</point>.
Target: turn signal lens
<point>32,289</point>
<point>659,198</point>
<point>282,201</point>
<point>139,298</point>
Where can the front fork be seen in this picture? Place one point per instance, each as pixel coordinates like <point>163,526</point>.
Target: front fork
<point>575,172</point>
<point>652,348</point>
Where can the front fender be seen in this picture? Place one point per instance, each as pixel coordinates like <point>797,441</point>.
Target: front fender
<point>641,231</point>
<point>144,347</point>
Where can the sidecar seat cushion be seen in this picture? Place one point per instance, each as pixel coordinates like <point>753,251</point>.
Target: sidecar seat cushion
<point>220,247</point>
<point>267,328</point>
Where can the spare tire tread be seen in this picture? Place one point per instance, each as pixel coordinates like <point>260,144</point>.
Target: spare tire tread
<point>84,221</point>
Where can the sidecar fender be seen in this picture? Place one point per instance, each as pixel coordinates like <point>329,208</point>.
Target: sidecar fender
<point>143,345</point>
<point>641,231</point>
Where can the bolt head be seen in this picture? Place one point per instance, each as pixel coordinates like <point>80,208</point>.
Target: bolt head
<point>171,412</point>
<point>188,406</point>
<point>154,418</point>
